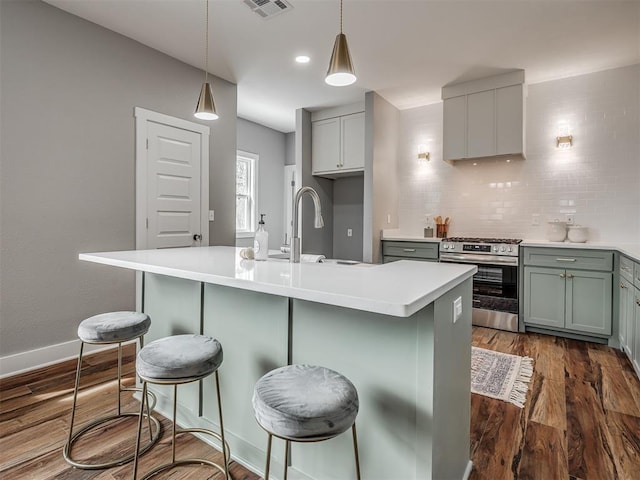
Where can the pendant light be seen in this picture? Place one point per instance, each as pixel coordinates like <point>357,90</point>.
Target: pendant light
<point>206,107</point>
<point>341,70</point>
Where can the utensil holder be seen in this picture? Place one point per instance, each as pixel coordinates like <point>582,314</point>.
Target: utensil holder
<point>441,230</point>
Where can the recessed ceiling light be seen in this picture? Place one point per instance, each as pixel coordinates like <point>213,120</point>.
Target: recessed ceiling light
<point>303,59</point>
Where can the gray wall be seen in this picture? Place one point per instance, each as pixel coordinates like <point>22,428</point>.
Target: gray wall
<point>270,146</point>
<point>290,149</point>
<point>381,163</point>
<point>68,90</point>
<point>317,241</point>
<point>347,213</point>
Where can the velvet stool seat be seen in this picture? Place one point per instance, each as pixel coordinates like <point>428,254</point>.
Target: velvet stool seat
<point>304,403</point>
<point>105,329</point>
<point>177,360</point>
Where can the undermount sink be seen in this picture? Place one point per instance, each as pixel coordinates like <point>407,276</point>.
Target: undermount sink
<point>280,256</point>
<point>337,261</point>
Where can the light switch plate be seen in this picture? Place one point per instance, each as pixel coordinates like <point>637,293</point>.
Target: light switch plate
<point>211,215</point>
<point>457,309</point>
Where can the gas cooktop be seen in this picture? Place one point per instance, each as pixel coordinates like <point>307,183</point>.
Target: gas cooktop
<point>507,241</point>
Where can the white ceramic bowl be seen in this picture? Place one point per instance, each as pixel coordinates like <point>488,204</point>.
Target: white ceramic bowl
<point>556,231</point>
<point>578,233</point>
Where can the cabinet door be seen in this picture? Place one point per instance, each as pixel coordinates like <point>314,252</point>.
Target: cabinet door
<point>635,353</point>
<point>625,312</point>
<point>589,297</point>
<point>544,296</point>
<point>325,145</point>
<point>481,129</point>
<point>352,129</point>
<point>455,128</point>
<point>509,118</point>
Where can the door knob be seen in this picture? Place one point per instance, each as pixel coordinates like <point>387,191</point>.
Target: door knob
<point>197,237</point>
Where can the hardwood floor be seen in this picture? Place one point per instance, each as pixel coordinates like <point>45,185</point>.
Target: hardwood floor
<point>581,420</point>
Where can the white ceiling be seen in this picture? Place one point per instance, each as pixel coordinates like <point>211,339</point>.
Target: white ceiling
<point>405,50</point>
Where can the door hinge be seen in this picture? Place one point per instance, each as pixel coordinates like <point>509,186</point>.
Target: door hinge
<point>147,144</point>
<point>146,222</point>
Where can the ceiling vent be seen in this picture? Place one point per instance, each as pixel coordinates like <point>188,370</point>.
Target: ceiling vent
<point>268,8</point>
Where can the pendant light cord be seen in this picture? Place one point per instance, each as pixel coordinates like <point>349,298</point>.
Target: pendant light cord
<point>206,47</point>
<point>340,16</point>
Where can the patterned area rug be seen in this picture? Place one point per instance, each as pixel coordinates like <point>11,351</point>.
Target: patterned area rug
<point>500,375</point>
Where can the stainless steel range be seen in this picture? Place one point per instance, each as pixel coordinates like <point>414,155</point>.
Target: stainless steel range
<point>495,286</point>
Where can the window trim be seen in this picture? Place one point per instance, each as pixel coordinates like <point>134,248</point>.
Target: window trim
<point>253,160</point>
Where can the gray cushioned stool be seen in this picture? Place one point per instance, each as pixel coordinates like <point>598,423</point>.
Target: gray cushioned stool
<point>105,329</point>
<point>304,403</point>
<point>173,361</point>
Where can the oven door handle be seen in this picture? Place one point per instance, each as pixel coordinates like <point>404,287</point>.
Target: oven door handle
<point>479,259</point>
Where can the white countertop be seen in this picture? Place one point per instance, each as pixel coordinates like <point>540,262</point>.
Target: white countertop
<point>631,250</point>
<point>398,288</point>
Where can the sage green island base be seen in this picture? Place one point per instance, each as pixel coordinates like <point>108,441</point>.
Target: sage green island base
<point>412,372</point>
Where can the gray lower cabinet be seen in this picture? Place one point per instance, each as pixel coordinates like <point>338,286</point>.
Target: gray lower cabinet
<point>625,316</point>
<point>635,353</point>
<point>574,300</point>
<point>393,250</point>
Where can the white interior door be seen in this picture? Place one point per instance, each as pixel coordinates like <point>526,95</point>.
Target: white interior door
<point>172,195</point>
<point>173,187</point>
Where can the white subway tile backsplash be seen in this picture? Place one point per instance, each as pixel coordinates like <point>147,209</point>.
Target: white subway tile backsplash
<point>597,180</point>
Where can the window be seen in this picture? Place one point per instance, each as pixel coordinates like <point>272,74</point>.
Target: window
<point>246,193</point>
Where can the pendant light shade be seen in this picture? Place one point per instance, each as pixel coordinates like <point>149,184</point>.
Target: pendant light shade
<point>340,72</point>
<point>206,107</point>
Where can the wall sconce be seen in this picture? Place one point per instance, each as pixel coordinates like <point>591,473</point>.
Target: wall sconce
<point>565,141</point>
<point>422,153</point>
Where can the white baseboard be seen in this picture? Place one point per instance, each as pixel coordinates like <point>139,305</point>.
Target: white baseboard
<point>41,357</point>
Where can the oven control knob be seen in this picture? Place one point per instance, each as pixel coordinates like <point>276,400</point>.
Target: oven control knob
<point>495,249</point>
<point>510,249</point>
<point>502,249</point>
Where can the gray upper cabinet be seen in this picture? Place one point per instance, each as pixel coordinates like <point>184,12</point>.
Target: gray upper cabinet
<point>337,145</point>
<point>484,118</point>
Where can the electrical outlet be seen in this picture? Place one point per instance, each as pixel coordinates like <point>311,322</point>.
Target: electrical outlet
<point>535,219</point>
<point>388,218</point>
<point>570,218</point>
<point>211,215</point>
<point>457,309</point>
<point>349,232</point>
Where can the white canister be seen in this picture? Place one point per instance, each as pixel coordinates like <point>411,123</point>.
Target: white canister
<point>557,231</point>
<point>578,233</point>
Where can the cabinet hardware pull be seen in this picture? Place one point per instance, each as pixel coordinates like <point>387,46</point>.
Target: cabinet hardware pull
<point>337,165</point>
<point>408,249</point>
<point>562,275</point>
<point>638,302</point>
<point>565,259</point>
<point>569,275</point>
<point>622,285</point>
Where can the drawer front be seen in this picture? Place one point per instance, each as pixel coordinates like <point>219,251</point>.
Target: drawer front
<point>569,258</point>
<point>636,276</point>
<point>410,250</point>
<point>388,259</point>
<point>626,268</point>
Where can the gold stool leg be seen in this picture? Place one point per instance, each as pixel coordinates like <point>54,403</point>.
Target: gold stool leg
<point>355,449</point>
<point>266,468</point>
<point>136,454</point>
<point>286,458</point>
<point>225,454</point>
<point>67,446</point>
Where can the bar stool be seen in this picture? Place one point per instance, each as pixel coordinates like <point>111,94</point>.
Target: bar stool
<point>105,329</point>
<point>174,361</point>
<point>304,403</point>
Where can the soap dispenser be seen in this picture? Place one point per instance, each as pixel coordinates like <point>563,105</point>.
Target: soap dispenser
<point>261,243</point>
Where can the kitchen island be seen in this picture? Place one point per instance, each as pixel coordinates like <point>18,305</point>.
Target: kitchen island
<point>389,328</point>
